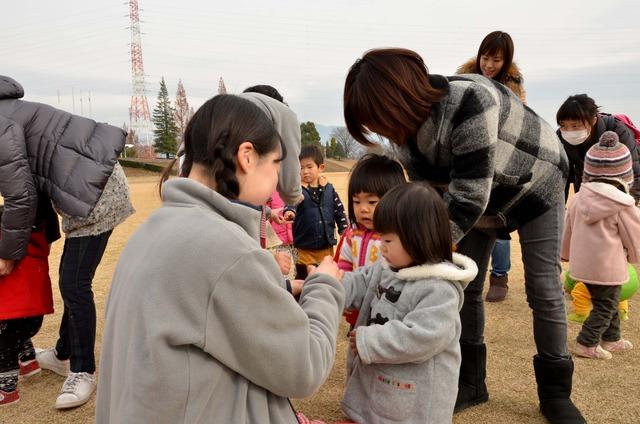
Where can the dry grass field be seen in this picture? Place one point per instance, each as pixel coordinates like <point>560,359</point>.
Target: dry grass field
<point>606,391</point>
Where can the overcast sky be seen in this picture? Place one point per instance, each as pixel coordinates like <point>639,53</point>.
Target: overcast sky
<point>305,48</point>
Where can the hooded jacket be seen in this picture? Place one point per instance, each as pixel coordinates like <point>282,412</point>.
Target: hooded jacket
<point>407,335</point>
<point>67,157</point>
<point>492,155</point>
<point>210,336</point>
<point>514,79</point>
<point>601,234</point>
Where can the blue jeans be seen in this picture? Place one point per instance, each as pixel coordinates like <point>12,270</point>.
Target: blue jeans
<point>80,258</point>
<point>540,241</point>
<point>501,258</point>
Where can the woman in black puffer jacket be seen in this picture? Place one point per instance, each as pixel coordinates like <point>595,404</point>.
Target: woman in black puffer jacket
<point>72,160</point>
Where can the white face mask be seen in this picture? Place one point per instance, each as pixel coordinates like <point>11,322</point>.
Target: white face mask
<point>575,137</point>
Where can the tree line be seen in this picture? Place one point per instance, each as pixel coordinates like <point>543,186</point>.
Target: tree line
<point>170,119</point>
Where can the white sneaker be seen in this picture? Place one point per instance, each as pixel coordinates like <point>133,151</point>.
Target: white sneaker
<point>48,360</point>
<point>76,390</point>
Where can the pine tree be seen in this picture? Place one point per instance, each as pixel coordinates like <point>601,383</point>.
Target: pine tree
<point>165,131</point>
<point>182,111</point>
<point>309,134</point>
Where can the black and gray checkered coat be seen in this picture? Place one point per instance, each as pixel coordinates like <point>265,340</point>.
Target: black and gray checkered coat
<point>494,156</point>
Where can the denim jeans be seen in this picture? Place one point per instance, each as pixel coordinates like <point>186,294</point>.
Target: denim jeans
<point>540,241</point>
<point>501,258</point>
<point>80,258</point>
<point>603,321</point>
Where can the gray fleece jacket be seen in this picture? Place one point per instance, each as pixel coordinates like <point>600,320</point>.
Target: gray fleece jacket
<point>407,335</point>
<point>198,328</point>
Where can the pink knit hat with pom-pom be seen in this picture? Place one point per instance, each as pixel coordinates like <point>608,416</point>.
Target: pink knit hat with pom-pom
<point>608,159</point>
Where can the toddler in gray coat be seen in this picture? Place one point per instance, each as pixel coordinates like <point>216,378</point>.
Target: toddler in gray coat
<point>405,352</point>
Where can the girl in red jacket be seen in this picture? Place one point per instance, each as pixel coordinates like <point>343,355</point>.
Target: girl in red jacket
<point>26,298</point>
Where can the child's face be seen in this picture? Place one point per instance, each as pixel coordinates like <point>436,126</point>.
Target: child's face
<point>490,65</point>
<point>363,206</point>
<point>310,171</point>
<point>393,251</point>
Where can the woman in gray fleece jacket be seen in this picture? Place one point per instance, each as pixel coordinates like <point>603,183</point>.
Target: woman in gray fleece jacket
<point>407,355</point>
<point>500,168</point>
<point>198,326</point>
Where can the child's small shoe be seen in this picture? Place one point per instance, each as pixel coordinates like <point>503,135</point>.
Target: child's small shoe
<point>29,368</point>
<point>7,398</point>
<point>595,352</point>
<point>621,345</point>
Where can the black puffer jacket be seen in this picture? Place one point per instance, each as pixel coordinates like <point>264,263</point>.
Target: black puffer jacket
<point>577,153</point>
<point>67,157</point>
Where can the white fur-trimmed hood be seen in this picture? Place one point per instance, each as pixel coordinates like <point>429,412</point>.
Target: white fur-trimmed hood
<point>463,269</point>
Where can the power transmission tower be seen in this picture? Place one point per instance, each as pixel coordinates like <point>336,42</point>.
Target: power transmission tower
<point>139,116</point>
<point>221,88</point>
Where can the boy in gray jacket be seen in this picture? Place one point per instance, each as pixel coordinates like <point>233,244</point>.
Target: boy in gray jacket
<point>405,355</point>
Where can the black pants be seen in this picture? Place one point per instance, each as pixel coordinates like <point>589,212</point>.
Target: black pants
<point>603,321</point>
<point>16,347</point>
<point>80,258</point>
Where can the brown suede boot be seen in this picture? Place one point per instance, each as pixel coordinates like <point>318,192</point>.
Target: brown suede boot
<point>497,288</point>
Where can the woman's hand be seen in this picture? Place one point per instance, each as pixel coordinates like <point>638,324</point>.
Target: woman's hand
<point>296,287</point>
<point>6,266</point>
<point>327,266</point>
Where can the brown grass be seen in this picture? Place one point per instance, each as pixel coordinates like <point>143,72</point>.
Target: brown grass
<point>605,391</point>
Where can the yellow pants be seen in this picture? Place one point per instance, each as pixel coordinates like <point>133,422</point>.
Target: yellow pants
<point>313,256</point>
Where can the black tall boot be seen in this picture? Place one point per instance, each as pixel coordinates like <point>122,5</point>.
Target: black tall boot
<point>554,390</point>
<point>472,389</point>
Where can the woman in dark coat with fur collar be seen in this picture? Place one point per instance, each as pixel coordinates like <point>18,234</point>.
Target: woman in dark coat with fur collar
<point>500,168</point>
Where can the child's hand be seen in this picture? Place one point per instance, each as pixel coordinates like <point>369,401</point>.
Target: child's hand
<point>327,266</point>
<point>276,216</point>
<point>322,180</point>
<point>284,262</point>
<point>352,342</point>
<point>6,266</point>
<point>289,216</point>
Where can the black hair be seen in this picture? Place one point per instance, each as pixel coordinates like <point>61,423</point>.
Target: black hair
<point>374,174</point>
<point>267,90</point>
<point>216,131</point>
<point>578,107</point>
<point>313,152</point>
<point>419,216</point>
<point>494,43</point>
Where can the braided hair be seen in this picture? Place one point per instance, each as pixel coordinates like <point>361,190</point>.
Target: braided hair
<point>214,133</point>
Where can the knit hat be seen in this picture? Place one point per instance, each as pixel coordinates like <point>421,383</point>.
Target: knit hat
<point>608,159</point>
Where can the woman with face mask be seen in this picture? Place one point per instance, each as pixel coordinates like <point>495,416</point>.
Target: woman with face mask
<point>581,126</point>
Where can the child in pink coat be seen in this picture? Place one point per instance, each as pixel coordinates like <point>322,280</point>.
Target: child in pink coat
<point>601,235</point>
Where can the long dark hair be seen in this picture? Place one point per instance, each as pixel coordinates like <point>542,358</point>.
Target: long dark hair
<point>374,174</point>
<point>214,133</point>
<point>497,42</point>
<point>419,216</point>
<point>388,92</point>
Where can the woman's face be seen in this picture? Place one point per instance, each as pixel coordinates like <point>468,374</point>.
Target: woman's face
<point>259,178</point>
<point>490,65</point>
<point>576,132</point>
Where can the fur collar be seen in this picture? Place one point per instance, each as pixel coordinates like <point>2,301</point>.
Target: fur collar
<point>469,67</point>
<point>462,269</point>
<point>610,192</point>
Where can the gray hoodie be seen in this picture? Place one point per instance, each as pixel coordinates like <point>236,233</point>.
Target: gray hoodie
<point>198,328</point>
<point>407,335</point>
